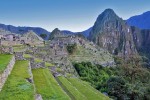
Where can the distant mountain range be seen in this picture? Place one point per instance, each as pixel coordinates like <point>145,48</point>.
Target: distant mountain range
<point>141,21</point>
<point>38,30</point>
<point>21,30</point>
<point>84,33</point>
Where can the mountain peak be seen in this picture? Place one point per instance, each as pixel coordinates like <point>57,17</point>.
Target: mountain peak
<point>107,13</point>
<point>109,10</point>
<point>107,18</point>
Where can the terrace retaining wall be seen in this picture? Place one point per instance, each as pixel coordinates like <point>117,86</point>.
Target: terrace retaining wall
<point>4,49</point>
<point>19,55</point>
<point>6,72</point>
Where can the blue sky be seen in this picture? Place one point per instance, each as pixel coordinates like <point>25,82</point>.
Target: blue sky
<point>74,15</point>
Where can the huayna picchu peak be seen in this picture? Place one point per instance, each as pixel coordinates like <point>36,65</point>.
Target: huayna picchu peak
<point>112,33</point>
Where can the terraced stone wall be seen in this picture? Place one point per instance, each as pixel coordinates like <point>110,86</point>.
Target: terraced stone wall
<point>7,71</point>
<point>19,55</point>
<point>36,64</point>
<point>4,49</point>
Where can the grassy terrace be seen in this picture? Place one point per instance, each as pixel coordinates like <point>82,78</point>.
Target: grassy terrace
<point>16,86</point>
<point>47,86</point>
<point>27,56</point>
<point>89,92</point>
<point>4,61</point>
<point>19,48</point>
<point>47,64</point>
<point>84,55</point>
<point>70,88</point>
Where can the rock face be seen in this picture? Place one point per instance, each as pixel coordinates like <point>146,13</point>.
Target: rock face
<point>141,40</point>
<point>112,33</point>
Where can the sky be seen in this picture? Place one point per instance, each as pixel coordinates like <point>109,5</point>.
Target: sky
<point>73,15</point>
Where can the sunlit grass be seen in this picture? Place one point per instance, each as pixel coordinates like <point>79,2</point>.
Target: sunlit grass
<point>4,61</point>
<point>16,86</point>
<point>89,92</point>
<point>47,86</point>
<point>73,90</point>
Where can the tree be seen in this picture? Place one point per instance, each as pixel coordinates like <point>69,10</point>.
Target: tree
<point>117,87</point>
<point>71,48</point>
<point>43,35</point>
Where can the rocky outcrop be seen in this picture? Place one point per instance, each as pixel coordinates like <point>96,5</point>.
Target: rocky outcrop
<point>112,33</point>
<point>6,72</point>
<point>142,40</point>
<point>56,32</point>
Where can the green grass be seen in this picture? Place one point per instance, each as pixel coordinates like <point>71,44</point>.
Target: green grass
<point>38,60</point>
<point>82,54</point>
<point>4,61</point>
<point>47,86</point>
<point>76,94</point>
<point>27,56</point>
<point>47,64</point>
<point>19,48</point>
<point>89,92</point>
<point>16,86</point>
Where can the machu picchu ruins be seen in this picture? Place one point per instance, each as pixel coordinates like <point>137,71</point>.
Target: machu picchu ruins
<point>74,50</point>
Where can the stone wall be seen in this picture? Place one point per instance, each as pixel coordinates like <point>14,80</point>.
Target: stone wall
<point>4,49</point>
<point>19,55</point>
<point>7,71</point>
<point>36,64</point>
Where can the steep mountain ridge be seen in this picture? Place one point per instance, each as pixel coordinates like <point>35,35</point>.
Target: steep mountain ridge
<point>142,40</point>
<point>112,33</point>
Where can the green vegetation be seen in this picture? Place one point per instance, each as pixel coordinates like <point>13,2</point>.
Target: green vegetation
<point>38,60</point>
<point>17,87</point>
<point>128,82</point>
<point>47,64</point>
<point>27,56</point>
<point>90,54</point>
<point>89,92</point>
<point>125,81</point>
<point>18,48</point>
<point>43,36</point>
<point>71,89</point>
<point>71,48</point>
<point>47,86</point>
<point>95,74</point>
<point>4,61</point>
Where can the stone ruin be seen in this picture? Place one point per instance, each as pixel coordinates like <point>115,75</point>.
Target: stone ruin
<point>19,55</point>
<point>4,49</point>
<point>0,42</point>
<point>34,64</point>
